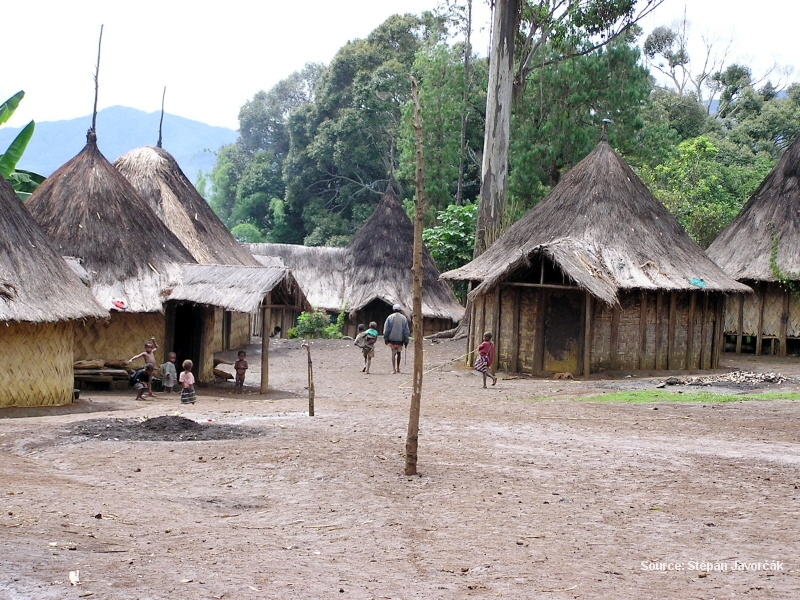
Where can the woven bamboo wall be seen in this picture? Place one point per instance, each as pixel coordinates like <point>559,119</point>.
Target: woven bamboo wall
<point>793,322</point>
<point>240,329</point>
<point>37,364</point>
<point>120,337</point>
<point>773,310</point>
<point>733,303</point>
<point>751,310</point>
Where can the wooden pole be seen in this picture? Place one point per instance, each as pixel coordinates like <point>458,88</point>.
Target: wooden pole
<point>266,320</point>
<point>412,438</point>
<point>310,380</point>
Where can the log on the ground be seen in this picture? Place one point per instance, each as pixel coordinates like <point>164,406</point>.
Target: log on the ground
<point>222,374</point>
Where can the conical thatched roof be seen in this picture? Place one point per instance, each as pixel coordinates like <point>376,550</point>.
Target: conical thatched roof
<point>744,248</point>
<point>382,255</point>
<point>90,211</point>
<point>36,283</point>
<point>320,271</point>
<point>607,232</point>
<point>157,177</point>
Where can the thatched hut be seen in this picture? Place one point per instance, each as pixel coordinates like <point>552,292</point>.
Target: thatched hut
<point>158,178</point>
<point>243,290</point>
<point>382,254</point>
<point>598,276</point>
<point>91,212</point>
<point>761,248</point>
<point>42,302</point>
<point>371,274</point>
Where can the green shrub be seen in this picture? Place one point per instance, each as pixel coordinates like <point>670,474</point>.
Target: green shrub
<point>317,324</point>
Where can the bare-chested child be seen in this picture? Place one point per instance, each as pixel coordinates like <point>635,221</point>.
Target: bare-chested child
<point>149,354</point>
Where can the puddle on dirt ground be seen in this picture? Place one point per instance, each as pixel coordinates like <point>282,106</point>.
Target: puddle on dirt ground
<point>170,428</point>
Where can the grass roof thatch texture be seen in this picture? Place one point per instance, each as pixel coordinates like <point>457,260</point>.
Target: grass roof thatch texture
<point>744,248</point>
<point>382,256</point>
<point>36,283</point>
<point>155,174</point>
<point>90,211</point>
<point>320,271</point>
<point>607,232</point>
<point>239,289</point>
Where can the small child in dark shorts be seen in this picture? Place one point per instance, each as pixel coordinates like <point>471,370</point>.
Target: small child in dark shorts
<point>240,366</point>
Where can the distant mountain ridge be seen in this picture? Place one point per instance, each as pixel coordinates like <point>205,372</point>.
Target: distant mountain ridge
<point>120,129</point>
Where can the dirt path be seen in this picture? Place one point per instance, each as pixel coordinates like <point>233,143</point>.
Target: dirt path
<point>523,492</point>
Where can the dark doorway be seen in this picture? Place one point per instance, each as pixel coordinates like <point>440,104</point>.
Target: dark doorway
<point>377,311</point>
<point>562,332</point>
<point>188,334</point>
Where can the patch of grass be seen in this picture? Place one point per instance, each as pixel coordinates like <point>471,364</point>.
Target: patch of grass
<point>644,396</point>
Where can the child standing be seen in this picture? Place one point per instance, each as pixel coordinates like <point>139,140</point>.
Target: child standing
<point>141,381</point>
<point>169,373</point>
<point>149,354</point>
<point>485,358</point>
<point>240,366</point>
<point>187,383</point>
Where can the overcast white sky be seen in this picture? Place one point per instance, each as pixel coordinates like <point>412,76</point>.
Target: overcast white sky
<point>213,57</point>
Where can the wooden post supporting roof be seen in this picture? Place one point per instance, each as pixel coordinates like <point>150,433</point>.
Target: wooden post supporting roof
<point>673,311</point>
<point>587,334</point>
<point>784,322</point>
<point>266,329</point>
<point>690,330</point>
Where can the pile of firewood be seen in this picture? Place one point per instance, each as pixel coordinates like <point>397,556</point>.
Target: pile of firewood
<point>104,371</point>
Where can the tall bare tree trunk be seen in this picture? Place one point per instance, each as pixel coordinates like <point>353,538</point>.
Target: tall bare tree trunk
<point>412,438</point>
<point>499,98</point>
<point>465,99</point>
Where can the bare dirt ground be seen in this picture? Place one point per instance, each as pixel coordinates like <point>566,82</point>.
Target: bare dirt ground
<point>523,491</point>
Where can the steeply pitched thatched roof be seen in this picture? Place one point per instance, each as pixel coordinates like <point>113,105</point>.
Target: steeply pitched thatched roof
<point>90,211</point>
<point>320,271</point>
<point>157,177</point>
<point>36,283</point>
<point>375,266</point>
<point>382,256</point>
<point>234,288</point>
<point>744,248</point>
<point>606,231</point>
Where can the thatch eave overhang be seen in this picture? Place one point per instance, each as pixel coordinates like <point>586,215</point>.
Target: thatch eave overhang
<point>235,288</point>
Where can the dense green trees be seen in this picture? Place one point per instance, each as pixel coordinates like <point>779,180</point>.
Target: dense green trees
<point>316,151</point>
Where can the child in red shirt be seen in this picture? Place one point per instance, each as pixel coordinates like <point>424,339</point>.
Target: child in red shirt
<point>485,358</point>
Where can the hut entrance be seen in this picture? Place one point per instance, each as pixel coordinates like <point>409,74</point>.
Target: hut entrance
<point>186,323</point>
<point>376,310</point>
<point>562,331</point>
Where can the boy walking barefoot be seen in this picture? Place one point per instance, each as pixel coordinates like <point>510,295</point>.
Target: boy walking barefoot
<point>485,358</point>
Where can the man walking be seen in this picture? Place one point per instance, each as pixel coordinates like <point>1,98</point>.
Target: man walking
<point>395,335</point>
